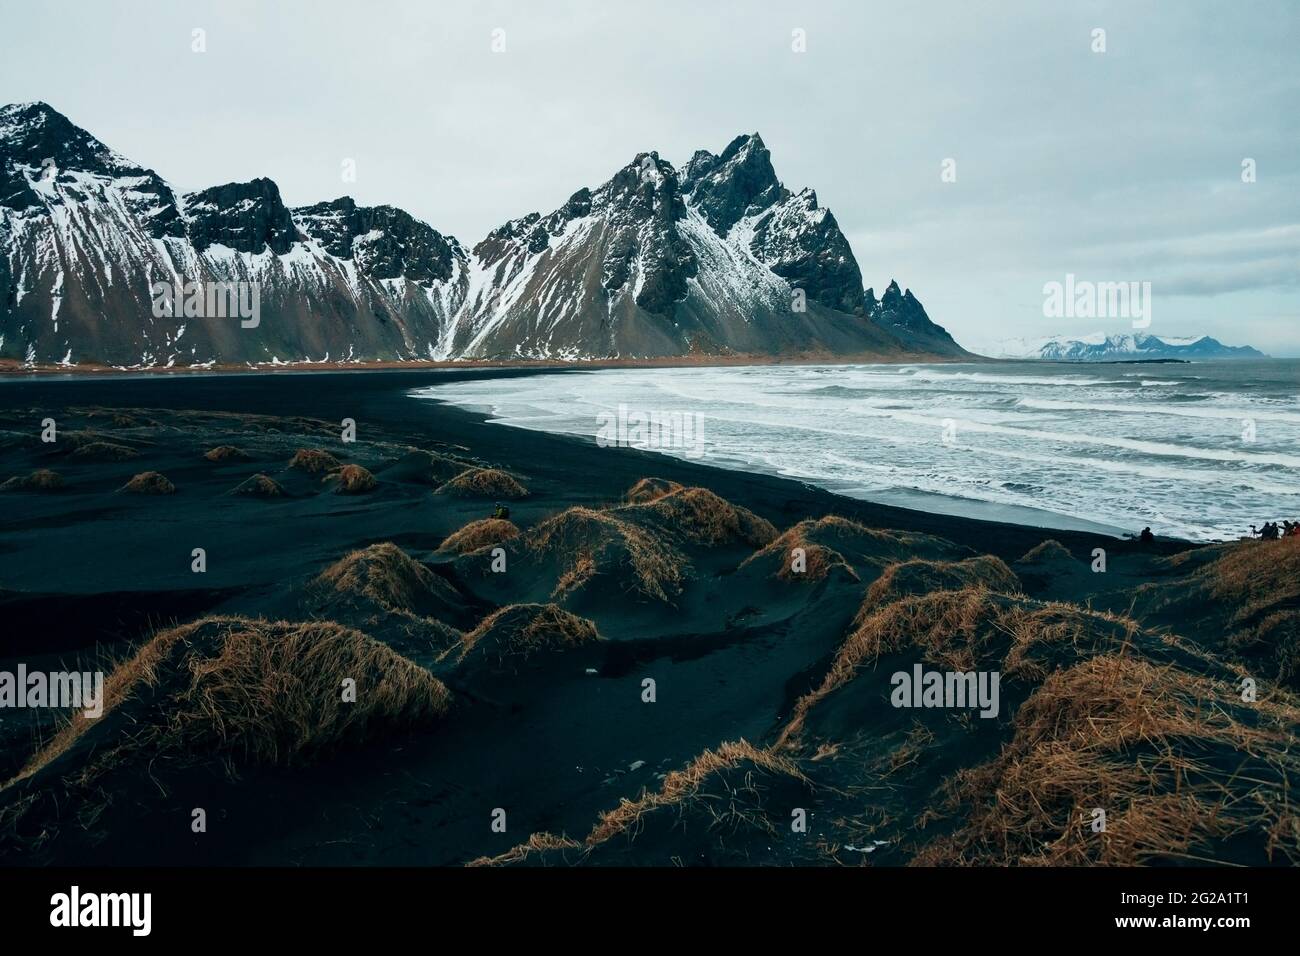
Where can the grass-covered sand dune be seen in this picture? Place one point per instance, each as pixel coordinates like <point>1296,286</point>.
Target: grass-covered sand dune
<point>219,690</point>
<point>644,662</point>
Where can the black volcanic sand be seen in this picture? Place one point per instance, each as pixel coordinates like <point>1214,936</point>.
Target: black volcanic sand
<point>522,691</point>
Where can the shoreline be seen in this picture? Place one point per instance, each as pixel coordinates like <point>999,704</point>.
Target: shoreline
<point>12,368</point>
<point>906,499</point>
<point>385,400</point>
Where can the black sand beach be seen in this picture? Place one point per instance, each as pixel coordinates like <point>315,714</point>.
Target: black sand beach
<point>525,691</point>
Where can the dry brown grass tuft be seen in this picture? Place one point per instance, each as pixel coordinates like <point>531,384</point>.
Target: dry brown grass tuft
<point>104,451</point>
<point>484,483</point>
<point>352,480</point>
<point>1249,577</point>
<point>226,453</point>
<point>967,629</point>
<point>952,628</point>
<point>258,691</point>
<point>537,843</point>
<point>846,529</point>
<point>1193,557</point>
<point>917,741</point>
<point>149,483</point>
<point>1049,550</point>
<point>650,489</point>
<point>1046,636</point>
<point>1280,631</point>
<point>1249,591</point>
<point>921,577</point>
<point>259,486</point>
<point>314,461</point>
<point>819,560</point>
<point>589,542</point>
<point>512,635</point>
<point>479,534</point>
<point>834,542</point>
<point>1184,772</point>
<point>682,787</point>
<point>116,418</point>
<point>42,479</point>
<point>1256,576</point>
<point>384,573</point>
<point>703,517</point>
<point>578,573</point>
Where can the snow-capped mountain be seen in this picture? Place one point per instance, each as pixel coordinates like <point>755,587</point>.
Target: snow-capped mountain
<point>1100,347</point>
<point>718,258</point>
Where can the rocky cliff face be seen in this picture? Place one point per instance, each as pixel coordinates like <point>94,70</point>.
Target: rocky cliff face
<point>246,217</point>
<point>385,242</point>
<point>717,258</point>
<point>740,197</point>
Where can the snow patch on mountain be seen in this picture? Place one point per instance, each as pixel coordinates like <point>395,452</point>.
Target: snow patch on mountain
<point>1100,346</point>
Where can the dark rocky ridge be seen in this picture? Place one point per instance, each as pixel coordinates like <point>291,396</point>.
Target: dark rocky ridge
<point>247,217</point>
<point>903,311</point>
<point>386,242</point>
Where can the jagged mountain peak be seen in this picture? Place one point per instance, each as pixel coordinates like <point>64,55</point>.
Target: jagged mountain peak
<point>901,311</point>
<point>656,261</point>
<point>894,296</point>
<point>25,119</point>
<point>32,133</point>
<point>41,149</point>
<point>745,141</point>
<point>681,256</point>
<point>50,167</point>
<point>647,188</point>
<point>748,152</point>
<point>738,182</point>
<point>30,114</point>
<point>649,185</point>
<point>384,241</point>
<point>247,217</point>
<point>738,196</point>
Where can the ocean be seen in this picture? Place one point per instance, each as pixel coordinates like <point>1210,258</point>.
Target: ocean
<point>1195,451</point>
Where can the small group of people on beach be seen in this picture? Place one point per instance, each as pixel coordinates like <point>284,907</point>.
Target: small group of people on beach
<point>1271,532</point>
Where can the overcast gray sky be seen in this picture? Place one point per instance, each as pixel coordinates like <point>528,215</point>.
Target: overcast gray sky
<point>1116,166</point>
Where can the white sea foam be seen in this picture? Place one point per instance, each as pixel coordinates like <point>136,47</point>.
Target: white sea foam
<point>1230,414</point>
<point>1163,448</point>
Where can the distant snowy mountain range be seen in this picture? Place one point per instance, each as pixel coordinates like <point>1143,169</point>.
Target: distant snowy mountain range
<point>714,258</point>
<point>1100,347</point>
